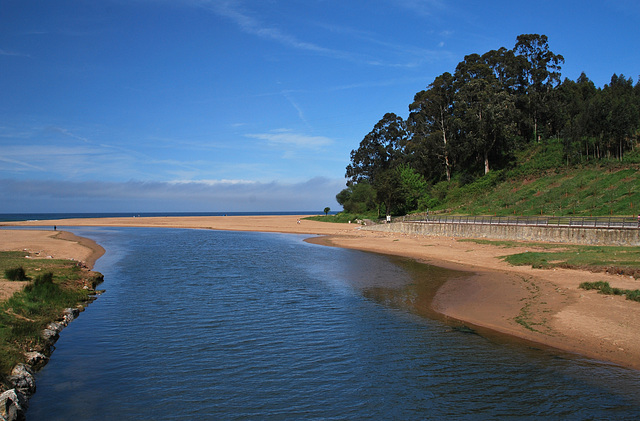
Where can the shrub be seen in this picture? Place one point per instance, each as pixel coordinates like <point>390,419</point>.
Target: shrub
<point>605,288</point>
<point>42,285</point>
<point>16,274</point>
<point>633,295</point>
<point>595,285</point>
<point>44,279</point>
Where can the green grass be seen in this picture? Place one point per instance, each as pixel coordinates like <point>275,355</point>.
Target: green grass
<point>604,288</point>
<point>612,259</point>
<point>621,260</point>
<point>53,285</point>
<point>539,182</point>
<point>32,267</point>
<point>342,217</point>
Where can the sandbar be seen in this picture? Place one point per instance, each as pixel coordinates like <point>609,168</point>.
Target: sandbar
<point>544,306</point>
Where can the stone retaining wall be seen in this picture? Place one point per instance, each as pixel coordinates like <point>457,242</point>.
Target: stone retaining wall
<point>573,235</point>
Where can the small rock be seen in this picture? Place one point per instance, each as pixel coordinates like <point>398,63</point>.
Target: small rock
<point>70,314</point>
<point>36,359</point>
<point>51,335</point>
<point>55,326</point>
<point>72,311</point>
<point>23,380</point>
<point>13,405</point>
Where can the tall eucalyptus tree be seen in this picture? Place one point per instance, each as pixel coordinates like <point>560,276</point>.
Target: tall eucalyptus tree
<point>483,110</point>
<point>431,122</point>
<point>539,75</point>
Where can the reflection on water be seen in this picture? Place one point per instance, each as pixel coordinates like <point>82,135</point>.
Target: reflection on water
<point>416,295</point>
<point>228,325</point>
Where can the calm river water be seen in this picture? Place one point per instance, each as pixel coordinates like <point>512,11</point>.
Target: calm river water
<point>199,324</point>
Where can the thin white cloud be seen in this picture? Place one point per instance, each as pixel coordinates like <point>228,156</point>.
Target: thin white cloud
<point>287,138</point>
<point>295,105</point>
<point>222,182</point>
<point>381,52</point>
<point>254,26</point>
<point>402,55</point>
<point>20,164</point>
<point>13,54</point>
<point>421,7</point>
<point>68,133</point>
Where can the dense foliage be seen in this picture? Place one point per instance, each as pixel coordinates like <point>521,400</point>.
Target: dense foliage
<point>468,124</point>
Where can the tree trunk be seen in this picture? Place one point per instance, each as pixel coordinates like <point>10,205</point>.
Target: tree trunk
<point>621,149</point>
<point>486,162</point>
<point>447,166</point>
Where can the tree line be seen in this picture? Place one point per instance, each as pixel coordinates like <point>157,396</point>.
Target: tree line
<point>472,121</point>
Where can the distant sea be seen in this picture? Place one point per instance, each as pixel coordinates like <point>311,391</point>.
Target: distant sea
<point>5,217</point>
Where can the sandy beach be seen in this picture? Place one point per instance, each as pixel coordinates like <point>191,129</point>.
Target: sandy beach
<point>538,305</point>
<point>46,245</point>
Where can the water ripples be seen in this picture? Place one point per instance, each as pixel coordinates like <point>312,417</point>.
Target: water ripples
<point>221,325</point>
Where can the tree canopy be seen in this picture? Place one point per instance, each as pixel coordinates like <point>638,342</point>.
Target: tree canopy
<point>466,123</point>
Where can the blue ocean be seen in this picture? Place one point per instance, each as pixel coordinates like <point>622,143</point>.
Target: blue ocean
<point>6,217</point>
<point>202,324</point>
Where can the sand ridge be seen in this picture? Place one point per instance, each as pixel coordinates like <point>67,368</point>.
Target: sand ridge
<point>540,305</point>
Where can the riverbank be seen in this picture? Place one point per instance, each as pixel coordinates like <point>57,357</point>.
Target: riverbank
<point>47,245</point>
<point>31,321</point>
<point>539,305</point>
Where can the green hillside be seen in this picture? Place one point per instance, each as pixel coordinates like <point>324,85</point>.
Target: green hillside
<point>538,182</point>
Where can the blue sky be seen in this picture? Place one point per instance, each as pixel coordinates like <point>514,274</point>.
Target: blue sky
<point>254,105</point>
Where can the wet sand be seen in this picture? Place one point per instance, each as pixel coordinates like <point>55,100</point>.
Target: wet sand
<point>539,305</point>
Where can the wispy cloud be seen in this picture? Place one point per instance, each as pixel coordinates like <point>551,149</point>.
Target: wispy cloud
<point>287,138</point>
<point>421,7</point>
<point>185,196</point>
<point>222,182</point>
<point>254,26</point>
<point>19,164</point>
<point>387,53</point>
<point>62,161</point>
<point>67,132</point>
<point>13,54</point>
<point>406,56</point>
<point>295,105</point>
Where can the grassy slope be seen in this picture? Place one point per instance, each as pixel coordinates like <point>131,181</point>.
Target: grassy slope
<point>541,183</point>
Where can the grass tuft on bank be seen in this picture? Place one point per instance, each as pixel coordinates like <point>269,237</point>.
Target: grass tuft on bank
<point>604,288</point>
<point>16,274</point>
